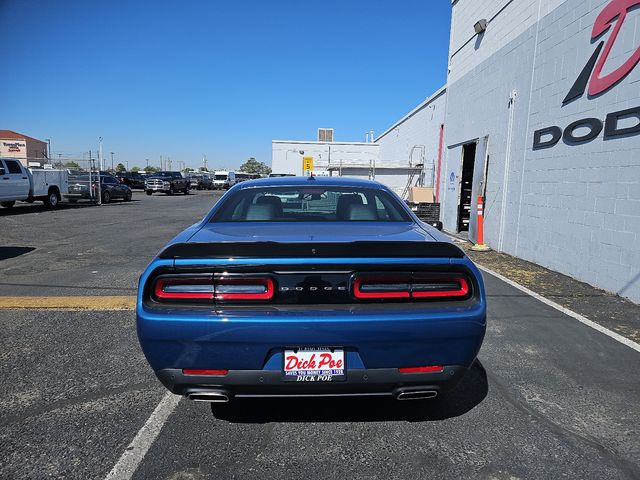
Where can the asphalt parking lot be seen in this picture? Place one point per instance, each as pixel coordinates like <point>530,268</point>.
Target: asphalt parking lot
<point>549,397</point>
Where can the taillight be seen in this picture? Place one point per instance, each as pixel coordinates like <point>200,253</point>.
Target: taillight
<point>243,288</point>
<point>184,288</point>
<point>366,287</point>
<point>209,288</point>
<point>425,369</point>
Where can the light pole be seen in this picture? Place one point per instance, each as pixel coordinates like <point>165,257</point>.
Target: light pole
<point>111,162</point>
<point>49,150</point>
<point>99,170</point>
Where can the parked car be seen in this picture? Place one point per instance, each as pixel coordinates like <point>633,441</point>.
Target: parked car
<point>19,183</point>
<point>167,182</point>
<point>131,179</point>
<point>79,189</point>
<point>341,290</point>
<point>200,181</point>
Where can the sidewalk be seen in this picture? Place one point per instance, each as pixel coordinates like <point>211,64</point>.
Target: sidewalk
<point>613,312</point>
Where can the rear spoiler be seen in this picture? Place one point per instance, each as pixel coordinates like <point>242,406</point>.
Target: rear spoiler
<point>359,249</point>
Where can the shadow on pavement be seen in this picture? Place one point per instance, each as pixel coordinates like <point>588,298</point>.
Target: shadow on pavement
<point>11,252</point>
<point>21,209</point>
<point>469,393</point>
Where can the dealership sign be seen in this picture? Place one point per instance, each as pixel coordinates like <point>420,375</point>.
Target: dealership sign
<point>594,83</point>
<point>13,148</point>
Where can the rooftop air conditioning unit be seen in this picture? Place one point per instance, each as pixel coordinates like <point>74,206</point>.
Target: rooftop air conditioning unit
<point>325,134</point>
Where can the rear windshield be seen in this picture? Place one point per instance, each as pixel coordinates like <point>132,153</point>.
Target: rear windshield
<point>310,204</point>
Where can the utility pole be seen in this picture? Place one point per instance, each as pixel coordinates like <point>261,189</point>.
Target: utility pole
<point>90,182</point>
<point>49,151</point>
<point>111,162</point>
<point>147,160</point>
<point>161,163</point>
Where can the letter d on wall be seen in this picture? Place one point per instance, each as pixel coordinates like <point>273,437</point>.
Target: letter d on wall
<point>539,142</point>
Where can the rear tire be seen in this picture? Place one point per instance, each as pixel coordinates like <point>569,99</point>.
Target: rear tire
<point>128,197</point>
<point>8,204</point>
<point>106,197</point>
<point>186,190</point>
<point>148,192</point>
<point>53,199</point>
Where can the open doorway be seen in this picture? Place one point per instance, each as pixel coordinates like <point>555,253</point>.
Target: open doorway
<point>466,184</point>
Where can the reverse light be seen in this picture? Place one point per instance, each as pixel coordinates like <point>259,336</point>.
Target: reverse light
<point>439,287</point>
<point>184,288</point>
<point>243,288</point>
<point>425,369</point>
<point>381,287</point>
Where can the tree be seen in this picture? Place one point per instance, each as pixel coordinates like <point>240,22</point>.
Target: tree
<point>71,164</point>
<point>188,170</point>
<point>135,169</point>
<point>120,168</point>
<point>151,169</point>
<point>254,166</point>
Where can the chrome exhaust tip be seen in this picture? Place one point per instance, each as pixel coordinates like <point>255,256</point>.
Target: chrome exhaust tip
<point>417,394</point>
<point>208,396</point>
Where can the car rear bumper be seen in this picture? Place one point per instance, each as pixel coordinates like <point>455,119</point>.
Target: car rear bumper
<point>271,383</point>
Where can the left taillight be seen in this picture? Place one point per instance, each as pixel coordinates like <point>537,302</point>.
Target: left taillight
<point>209,288</point>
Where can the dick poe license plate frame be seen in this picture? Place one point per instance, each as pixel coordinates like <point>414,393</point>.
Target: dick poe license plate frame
<point>317,374</point>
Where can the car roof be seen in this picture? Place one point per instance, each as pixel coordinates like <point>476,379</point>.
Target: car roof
<point>310,181</point>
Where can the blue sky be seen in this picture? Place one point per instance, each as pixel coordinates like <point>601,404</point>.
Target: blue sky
<point>187,78</point>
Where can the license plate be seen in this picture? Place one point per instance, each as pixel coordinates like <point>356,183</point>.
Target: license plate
<point>314,365</point>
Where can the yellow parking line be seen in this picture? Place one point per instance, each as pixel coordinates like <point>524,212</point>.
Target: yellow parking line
<point>69,303</point>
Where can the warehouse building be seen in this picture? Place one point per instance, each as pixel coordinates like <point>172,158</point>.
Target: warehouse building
<point>354,159</point>
<point>542,120</point>
<point>30,151</point>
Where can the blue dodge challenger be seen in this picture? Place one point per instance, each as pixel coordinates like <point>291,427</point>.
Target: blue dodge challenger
<point>310,286</point>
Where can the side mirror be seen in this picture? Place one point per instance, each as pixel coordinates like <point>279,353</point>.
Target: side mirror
<point>1,171</point>
<point>437,225</point>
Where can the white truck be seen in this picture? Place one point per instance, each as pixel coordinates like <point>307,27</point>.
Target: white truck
<point>223,179</point>
<point>18,183</point>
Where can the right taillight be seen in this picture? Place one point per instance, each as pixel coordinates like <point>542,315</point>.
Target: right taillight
<point>398,287</point>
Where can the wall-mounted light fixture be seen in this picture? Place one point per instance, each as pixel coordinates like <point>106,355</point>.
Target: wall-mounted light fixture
<point>480,26</point>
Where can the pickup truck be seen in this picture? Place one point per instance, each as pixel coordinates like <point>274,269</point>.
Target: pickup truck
<point>18,183</point>
<point>167,182</point>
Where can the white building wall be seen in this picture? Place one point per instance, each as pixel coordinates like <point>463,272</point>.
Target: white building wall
<point>286,156</point>
<point>415,138</point>
<point>574,208</point>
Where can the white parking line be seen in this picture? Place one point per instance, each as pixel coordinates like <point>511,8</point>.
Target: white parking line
<point>566,311</point>
<point>139,446</point>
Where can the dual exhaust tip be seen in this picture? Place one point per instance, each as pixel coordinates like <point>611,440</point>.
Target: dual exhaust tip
<point>220,396</point>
